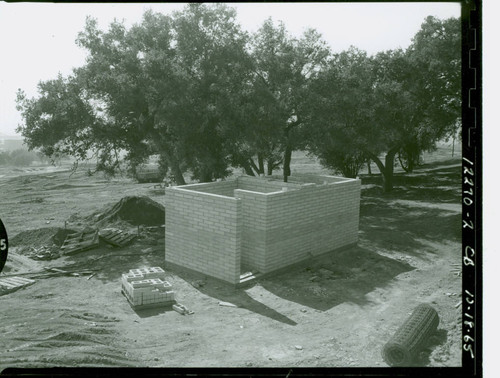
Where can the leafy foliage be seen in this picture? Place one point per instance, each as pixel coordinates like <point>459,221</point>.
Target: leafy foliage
<point>395,102</point>
<point>203,95</point>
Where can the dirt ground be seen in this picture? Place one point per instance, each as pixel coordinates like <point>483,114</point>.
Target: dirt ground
<point>336,310</point>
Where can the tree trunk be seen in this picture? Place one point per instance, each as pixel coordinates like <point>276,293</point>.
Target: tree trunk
<point>270,165</point>
<point>261,163</point>
<point>254,166</point>
<point>369,165</point>
<point>286,163</point>
<point>247,167</point>
<point>411,165</point>
<point>387,171</point>
<point>178,176</point>
<point>206,176</point>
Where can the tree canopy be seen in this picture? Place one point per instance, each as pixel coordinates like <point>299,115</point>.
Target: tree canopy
<point>398,101</point>
<point>207,97</point>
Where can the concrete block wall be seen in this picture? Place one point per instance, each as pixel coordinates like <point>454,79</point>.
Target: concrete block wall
<point>263,184</point>
<point>310,221</point>
<point>310,178</point>
<point>254,228</point>
<point>223,188</point>
<point>203,232</point>
<point>215,228</point>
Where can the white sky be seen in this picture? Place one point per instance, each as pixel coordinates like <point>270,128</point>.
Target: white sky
<point>37,40</point>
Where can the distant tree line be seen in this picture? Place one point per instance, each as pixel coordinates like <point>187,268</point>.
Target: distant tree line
<point>195,89</point>
<point>21,157</point>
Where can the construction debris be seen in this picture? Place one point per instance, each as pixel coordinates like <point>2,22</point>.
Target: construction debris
<point>60,272</point>
<point>116,237</point>
<point>181,309</point>
<point>227,304</point>
<point>40,244</point>
<point>136,210</point>
<point>80,241</point>
<point>11,284</point>
<point>147,287</point>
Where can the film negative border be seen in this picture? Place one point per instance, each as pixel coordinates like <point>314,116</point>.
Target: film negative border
<point>471,190</point>
<point>4,245</point>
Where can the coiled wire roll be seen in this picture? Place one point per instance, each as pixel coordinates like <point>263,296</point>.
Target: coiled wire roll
<point>414,334</point>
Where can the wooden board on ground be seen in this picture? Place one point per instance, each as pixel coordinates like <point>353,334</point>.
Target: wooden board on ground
<point>116,237</point>
<point>79,242</point>
<point>248,277</point>
<point>10,284</point>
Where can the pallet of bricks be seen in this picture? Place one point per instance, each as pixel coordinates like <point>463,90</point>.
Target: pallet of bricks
<point>147,287</point>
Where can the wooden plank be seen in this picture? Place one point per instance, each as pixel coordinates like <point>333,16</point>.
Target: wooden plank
<point>72,237</point>
<point>6,285</point>
<point>10,286</point>
<point>244,275</point>
<point>116,237</point>
<point>19,280</point>
<point>85,242</point>
<point>124,239</point>
<point>81,249</point>
<point>12,281</point>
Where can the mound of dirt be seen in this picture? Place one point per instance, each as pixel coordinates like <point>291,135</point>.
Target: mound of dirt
<point>45,236</point>
<point>136,210</point>
<point>40,243</point>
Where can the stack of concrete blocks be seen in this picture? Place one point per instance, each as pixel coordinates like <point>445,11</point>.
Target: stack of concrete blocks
<point>147,287</point>
<point>258,224</point>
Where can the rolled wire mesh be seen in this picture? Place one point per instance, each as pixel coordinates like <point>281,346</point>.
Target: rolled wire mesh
<point>412,336</point>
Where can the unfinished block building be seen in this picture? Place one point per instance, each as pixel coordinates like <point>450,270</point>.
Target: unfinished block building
<point>258,224</point>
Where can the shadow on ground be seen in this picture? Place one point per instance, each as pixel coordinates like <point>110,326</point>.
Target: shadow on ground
<point>440,186</point>
<point>423,357</point>
<point>401,227</point>
<point>342,276</point>
<point>148,312</point>
<point>439,338</point>
<point>320,283</point>
<point>227,293</point>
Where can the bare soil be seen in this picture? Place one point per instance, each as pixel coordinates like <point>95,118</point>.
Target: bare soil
<point>334,310</point>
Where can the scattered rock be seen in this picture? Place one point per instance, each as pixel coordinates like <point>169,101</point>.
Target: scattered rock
<point>326,272</point>
<point>298,347</point>
<point>313,278</point>
<point>198,283</point>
